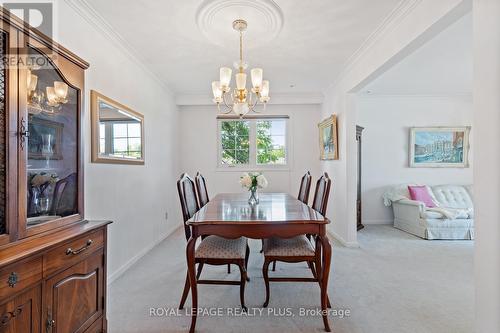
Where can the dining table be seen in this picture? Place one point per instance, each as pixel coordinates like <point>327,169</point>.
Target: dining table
<point>229,215</point>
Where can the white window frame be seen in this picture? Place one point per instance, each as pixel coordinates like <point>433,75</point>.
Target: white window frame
<point>253,165</point>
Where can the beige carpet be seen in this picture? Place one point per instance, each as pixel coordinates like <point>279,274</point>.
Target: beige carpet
<point>394,283</point>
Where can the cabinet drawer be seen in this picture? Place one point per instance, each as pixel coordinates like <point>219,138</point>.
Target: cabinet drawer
<point>18,276</point>
<point>72,252</point>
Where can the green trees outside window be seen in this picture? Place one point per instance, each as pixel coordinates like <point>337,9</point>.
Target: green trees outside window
<point>235,140</point>
<point>266,138</point>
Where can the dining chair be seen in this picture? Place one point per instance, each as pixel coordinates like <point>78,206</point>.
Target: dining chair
<point>64,198</point>
<point>203,199</point>
<point>305,188</point>
<point>212,250</point>
<point>201,188</point>
<point>299,248</point>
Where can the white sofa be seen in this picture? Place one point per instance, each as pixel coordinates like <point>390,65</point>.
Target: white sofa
<point>453,218</point>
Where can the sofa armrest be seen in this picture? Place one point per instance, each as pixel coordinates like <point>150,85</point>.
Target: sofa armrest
<point>408,209</point>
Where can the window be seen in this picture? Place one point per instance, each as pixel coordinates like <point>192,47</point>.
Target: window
<point>126,138</point>
<point>271,142</point>
<point>234,137</point>
<point>253,143</point>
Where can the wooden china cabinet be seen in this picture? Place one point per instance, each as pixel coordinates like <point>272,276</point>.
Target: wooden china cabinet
<point>52,261</point>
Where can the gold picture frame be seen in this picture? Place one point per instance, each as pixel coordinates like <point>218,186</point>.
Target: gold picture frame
<point>328,139</point>
<point>126,115</point>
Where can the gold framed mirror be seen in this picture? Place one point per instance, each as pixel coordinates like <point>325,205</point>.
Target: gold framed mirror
<point>117,132</point>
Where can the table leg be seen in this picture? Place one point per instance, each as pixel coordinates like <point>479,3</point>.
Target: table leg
<point>190,255</point>
<point>325,272</point>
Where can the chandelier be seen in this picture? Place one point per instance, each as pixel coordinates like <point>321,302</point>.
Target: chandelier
<point>240,100</point>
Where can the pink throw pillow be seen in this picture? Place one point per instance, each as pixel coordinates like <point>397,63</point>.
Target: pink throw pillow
<point>420,193</point>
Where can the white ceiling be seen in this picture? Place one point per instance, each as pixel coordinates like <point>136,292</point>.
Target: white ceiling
<point>444,65</point>
<point>316,39</point>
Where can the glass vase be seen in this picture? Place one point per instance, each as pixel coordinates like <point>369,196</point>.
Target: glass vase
<point>254,197</point>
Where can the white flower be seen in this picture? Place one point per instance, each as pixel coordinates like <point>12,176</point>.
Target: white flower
<point>246,180</point>
<point>261,181</point>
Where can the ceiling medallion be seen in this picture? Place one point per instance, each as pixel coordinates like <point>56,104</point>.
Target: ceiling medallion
<point>240,100</point>
<point>214,16</point>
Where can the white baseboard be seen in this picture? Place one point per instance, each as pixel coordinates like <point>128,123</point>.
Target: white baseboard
<point>119,272</point>
<point>342,241</point>
<point>378,222</point>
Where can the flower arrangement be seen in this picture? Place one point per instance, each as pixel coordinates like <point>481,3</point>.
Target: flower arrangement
<point>253,180</point>
<point>43,179</point>
<point>40,182</point>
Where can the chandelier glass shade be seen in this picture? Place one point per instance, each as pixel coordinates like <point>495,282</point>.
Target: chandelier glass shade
<point>240,100</point>
<point>49,101</point>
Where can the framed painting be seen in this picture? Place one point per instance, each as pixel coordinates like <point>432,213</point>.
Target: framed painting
<point>45,141</point>
<point>328,139</point>
<point>439,147</point>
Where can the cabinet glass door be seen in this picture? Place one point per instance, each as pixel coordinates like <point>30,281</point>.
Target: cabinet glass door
<point>51,144</point>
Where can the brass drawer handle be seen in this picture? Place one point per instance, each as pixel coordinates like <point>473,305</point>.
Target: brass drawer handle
<point>70,251</point>
<point>13,279</point>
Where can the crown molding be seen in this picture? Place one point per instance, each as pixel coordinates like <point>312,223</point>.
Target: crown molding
<point>390,22</point>
<point>276,99</point>
<point>88,13</point>
<point>450,95</point>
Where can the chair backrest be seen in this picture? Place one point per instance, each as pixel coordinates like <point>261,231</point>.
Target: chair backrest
<point>65,196</point>
<point>321,194</point>
<point>305,187</point>
<point>201,188</point>
<point>187,197</point>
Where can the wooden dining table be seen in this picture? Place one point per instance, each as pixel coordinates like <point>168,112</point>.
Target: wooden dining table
<point>229,215</point>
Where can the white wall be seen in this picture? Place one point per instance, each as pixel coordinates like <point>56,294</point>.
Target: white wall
<point>134,197</point>
<point>409,27</point>
<point>198,144</point>
<point>387,121</point>
<point>487,163</point>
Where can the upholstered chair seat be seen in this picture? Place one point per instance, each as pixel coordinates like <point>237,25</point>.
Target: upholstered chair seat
<point>215,247</point>
<point>298,246</point>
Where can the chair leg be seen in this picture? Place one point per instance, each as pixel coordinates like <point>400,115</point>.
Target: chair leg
<point>247,256</point>
<point>265,274</point>
<point>316,275</point>
<point>274,266</point>
<point>200,267</point>
<point>185,293</point>
<point>311,267</point>
<point>243,281</point>
<point>228,268</point>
